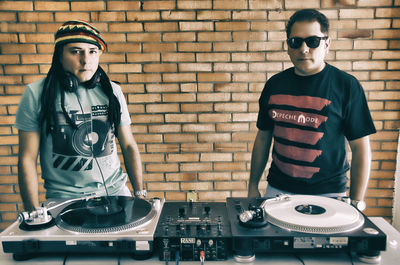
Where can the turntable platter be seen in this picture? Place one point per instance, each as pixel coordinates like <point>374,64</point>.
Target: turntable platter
<point>105,214</point>
<point>314,214</point>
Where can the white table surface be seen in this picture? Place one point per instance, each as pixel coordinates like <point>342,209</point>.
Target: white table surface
<point>389,257</point>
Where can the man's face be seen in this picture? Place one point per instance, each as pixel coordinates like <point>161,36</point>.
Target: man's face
<point>306,60</point>
<point>80,59</point>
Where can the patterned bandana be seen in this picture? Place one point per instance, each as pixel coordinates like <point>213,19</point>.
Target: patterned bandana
<point>79,31</point>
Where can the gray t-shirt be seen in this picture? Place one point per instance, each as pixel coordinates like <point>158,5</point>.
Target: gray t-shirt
<point>73,160</point>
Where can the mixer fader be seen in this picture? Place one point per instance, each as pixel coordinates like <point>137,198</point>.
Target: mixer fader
<point>190,230</point>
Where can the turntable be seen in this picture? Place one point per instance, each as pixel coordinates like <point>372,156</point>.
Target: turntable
<point>301,223</point>
<point>111,224</point>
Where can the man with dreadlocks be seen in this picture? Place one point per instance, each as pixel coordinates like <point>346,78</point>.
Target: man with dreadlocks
<point>71,118</point>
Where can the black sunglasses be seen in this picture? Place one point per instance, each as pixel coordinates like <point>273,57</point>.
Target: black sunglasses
<point>312,42</point>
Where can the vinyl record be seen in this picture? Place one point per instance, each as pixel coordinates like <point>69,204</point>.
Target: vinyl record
<point>105,214</point>
<point>83,138</point>
<point>314,214</point>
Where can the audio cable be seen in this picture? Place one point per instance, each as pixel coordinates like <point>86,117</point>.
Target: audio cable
<point>91,145</point>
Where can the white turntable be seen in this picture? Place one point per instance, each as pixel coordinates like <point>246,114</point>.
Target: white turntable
<point>301,223</point>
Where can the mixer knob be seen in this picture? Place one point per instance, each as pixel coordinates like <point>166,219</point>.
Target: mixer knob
<point>181,212</point>
<point>207,210</point>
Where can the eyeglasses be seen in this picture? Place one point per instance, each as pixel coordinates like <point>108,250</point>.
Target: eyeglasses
<point>312,42</point>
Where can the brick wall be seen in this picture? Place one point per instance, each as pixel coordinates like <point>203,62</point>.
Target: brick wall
<point>192,72</point>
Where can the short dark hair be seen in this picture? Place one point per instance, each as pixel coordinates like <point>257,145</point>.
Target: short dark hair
<point>309,15</point>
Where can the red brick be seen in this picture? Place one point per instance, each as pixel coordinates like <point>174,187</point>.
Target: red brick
<point>250,36</point>
<point>232,26</point>
<point>175,196</point>
<point>18,27</point>
<point>159,47</point>
<point>230,185</point>
<point>108,16</point>
<point>162,186</point>
<point>213,15</point>
<point>294,4</point>
<point>20,69</point>
<point>387,33</point>
<point>388,12</point>
<point>8,16</point>
<point>162,108</point>
<point>196,147</point>
<point>181,118</point>
<point>194,5</point>
<point>159,5</point>
<point>162,148</point>
<point>65,16</point>
<point>180,77</point>
<point>16,5</point>
<point>142,16</point>
<point>265,4</point>
<point>187,176</point>
<point>51,6</point>
<point>268,26</point>
<point>144,78</point>
<point>214,36</point>
<point>195,67</point>
<point>88,6</point>
<point>199,107</point>
<point>196,26</point>
<point>162,88</point>
<point>187,186</point>
<point>143,57</point>
<point>9,59</point>
<point>125,27</point>
<point>374,3</point>
<point>194,47</point>
<point>214,176</point>
<point>177,57</point>
<point>182,36</point>
<point>160,26</point>
<point>123,5</point>
<point>223,4</point>
<point>124,68</point>
<point>8,38</point>
<point>214,77</point>
<point>198,127</point>
<point>214,196</point>
<point>196,167</point>
<point>178,15</point>
<point>167,67</point>
<point>35,17</point>
<point>164,128</point>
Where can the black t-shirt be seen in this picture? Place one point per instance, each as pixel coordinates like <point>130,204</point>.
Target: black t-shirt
<point>311,116</point>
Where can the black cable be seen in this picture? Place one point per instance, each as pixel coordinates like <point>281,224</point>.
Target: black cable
<point>351,257</point>
<point>65,260</point>
<point>177,258</point>
<point>299,258</point>
<point>166,257</point>
<point>91,146</point>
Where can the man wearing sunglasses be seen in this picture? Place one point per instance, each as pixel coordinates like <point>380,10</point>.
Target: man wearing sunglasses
<point>311,111</point>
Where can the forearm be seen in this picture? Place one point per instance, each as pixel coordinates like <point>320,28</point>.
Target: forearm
<point>133,166</point>
<point>259,158</point>
<point>27,173</point>
<point>28,184</point>
<point>360,167</point>
<point>132,161</point>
